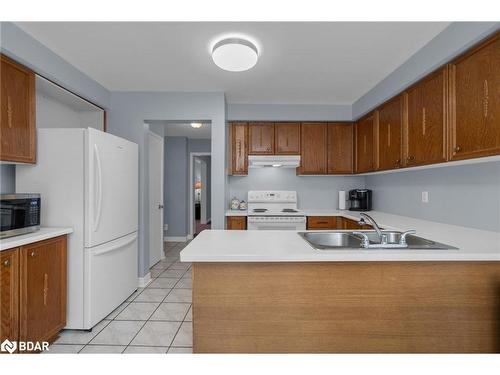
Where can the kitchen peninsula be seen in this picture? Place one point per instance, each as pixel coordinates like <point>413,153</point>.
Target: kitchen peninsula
<point>270,291</point>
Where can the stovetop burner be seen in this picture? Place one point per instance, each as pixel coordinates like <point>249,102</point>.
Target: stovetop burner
<point>260,210</point>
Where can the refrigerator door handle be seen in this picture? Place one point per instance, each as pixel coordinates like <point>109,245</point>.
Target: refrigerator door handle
<point>104,249</point>
<point>97,218</point>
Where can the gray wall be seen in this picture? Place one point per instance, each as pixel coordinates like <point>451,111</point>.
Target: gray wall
<point>176,185</point>
<point>455,39</point>
<point>467,195</point>
<point>7,179</point>
<point>313,192</point>
<point>130,110</point>
<point>288,112</point>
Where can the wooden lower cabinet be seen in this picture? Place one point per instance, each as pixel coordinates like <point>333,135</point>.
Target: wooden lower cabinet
<point>33,291</point>
<point>236,223</point>
<point>346,307</point>
<point>9,295</point>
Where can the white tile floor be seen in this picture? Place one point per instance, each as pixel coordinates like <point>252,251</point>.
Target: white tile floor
<point>157,319</point>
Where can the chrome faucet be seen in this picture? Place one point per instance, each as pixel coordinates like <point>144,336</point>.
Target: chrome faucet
<point>365,218</point>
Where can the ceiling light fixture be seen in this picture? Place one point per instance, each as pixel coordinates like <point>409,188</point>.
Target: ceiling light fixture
<point>235,54</point>
<point>196,125</point>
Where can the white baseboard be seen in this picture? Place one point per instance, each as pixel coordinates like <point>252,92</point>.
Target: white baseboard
<point>144,281</point>
<point>176,239</point>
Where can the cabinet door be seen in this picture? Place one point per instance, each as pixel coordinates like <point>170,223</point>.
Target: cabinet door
<point>340,147</point>
<point>43,289</point>
<point>261,138</point>
<point>239,148</point>
<point>287,138</point>
<point>236,223</point>
<point>425,126</point>
<point>322,222</point>
<point>9,295</point>
<point>364,144</point>
<point>313,140</point>
<point>388,139</point>
<point>17,125</point>
<point>475,102</point>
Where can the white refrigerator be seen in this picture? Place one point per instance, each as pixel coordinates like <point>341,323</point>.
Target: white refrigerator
<point>88,180</point>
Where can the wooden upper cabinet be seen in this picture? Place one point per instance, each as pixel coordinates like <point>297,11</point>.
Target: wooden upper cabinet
<point>261,138</point>
<point>340,147</point>
<point>313,148</point>
<point>287,138</point>
<point>17,124</point>
<point>475,102</point>
<point>425,125</point>
<point>239,148</point>
<point>9,295</point>
<point>364,144</point>
<point>389,126</point>
<point>43,289</point>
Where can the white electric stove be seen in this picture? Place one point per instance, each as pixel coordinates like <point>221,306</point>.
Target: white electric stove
<point>274,210</point>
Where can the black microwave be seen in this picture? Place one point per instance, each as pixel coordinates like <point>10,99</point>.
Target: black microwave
<point>20,214</point>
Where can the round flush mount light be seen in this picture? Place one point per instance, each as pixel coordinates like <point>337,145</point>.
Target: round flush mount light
<point>235,54</point>
<point>196,125</point>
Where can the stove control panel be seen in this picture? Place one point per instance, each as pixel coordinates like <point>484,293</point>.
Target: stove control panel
<point>272,196</point>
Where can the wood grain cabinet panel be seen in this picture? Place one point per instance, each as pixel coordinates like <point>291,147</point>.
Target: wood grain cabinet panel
<point>475,102</point>
<point>364,144</point>
<point>313,149</point>
<point>9,295</point>
<point>43,289</point>
<point>236,223</point>
<point>17,124</point>
<point>287,138</point>
<point>425,125</point>
<point>322,222</point>
<point>389,127</point>
<point>261,138</point>
<point>239,148</point>
<point>340,148</point>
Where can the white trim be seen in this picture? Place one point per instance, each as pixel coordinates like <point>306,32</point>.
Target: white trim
<point>175,238</point>
<point>144,281</point>
<point>162,142</point>
<point>191,189</point>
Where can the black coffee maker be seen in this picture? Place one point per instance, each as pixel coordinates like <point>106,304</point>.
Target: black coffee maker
<point>360,199</point>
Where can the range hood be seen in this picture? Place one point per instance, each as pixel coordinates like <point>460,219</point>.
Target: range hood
<point>276,161</point>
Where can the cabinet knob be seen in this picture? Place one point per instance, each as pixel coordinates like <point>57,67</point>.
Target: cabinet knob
<point>398,161</point>
<point>33,254</point>
<point>410,158</point>
<point>6,263</point>
<point>457,148</point>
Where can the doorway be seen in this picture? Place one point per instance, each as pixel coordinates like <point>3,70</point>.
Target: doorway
<point>200,193</point>
<point>155,143</point>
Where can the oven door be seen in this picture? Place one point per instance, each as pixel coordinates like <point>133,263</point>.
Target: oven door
<point>19,214</point>
<point>276,223</point>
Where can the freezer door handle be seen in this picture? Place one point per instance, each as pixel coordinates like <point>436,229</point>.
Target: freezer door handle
<point>116,245</point>
<point>97,217</point>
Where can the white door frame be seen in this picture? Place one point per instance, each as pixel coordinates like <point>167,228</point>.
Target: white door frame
<point>192,155</point>
<point>151,205</point>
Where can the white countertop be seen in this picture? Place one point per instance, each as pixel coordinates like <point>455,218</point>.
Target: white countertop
<point>236,213</point>
<point>24,239</point>
<point>287,246</point>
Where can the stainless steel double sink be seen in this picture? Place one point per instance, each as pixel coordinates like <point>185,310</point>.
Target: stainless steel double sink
<point>343,240</point>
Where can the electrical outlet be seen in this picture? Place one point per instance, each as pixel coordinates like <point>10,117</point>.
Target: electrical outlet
<point>425,197</point>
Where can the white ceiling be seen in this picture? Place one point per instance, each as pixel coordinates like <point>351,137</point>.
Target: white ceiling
<point>300,62</point>
<point>183,129</point>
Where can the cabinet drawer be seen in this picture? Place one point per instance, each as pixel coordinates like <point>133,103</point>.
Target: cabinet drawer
<point>321,222</point>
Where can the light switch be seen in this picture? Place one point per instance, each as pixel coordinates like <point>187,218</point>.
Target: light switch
<point>425,197</point>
